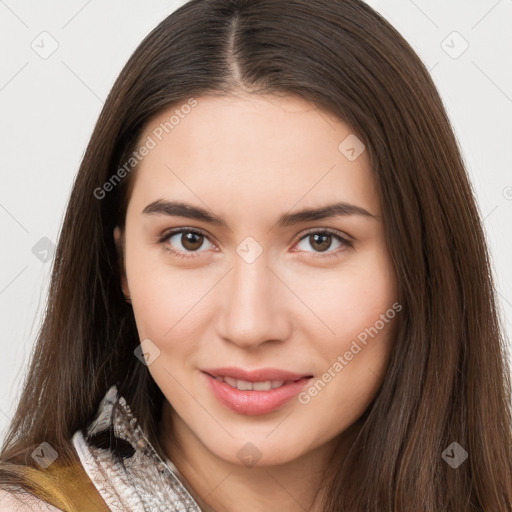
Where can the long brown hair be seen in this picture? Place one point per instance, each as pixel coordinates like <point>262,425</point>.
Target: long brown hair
<point>448,376</point>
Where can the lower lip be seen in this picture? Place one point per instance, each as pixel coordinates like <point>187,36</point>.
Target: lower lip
<point>254,403</point>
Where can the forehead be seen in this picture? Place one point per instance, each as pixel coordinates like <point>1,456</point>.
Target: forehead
<point>253,149</point>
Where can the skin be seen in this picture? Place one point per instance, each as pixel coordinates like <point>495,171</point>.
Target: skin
<point>248,159</point>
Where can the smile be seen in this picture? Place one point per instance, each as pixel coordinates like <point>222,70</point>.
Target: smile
<point>257,396</point>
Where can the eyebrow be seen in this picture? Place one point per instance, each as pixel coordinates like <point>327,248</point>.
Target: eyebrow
<point>180,209</point>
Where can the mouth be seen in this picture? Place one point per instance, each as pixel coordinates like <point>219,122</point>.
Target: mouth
<point>254,392</point>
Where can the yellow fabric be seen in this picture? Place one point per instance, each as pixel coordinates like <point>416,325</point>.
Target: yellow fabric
<point>68,488</point>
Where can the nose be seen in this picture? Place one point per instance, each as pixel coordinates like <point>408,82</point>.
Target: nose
<point>254,305</point>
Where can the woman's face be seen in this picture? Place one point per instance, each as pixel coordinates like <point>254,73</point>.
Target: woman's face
<point>254,251</point>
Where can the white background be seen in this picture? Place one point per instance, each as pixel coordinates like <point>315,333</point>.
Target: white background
<point>48,108</point>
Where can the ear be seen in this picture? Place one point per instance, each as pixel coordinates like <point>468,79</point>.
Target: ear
<point>119,242</point>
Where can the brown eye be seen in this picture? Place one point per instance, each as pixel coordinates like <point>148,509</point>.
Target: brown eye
<point>322,241</point>
<point>184,242</point>
<point>191,241</point>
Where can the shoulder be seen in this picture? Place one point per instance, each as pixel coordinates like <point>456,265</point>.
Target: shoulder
<point>23,502</point>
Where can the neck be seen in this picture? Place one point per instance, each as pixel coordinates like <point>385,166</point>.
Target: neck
<point>219,485</point>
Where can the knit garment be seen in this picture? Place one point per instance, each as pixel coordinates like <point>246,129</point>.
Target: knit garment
<point>133,477</point>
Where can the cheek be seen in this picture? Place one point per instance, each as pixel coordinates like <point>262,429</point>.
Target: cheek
<point>353,298</point>
<point>160,296</point>
<point>360,310</point>
<point>164,314</point>
<point>354,368</point>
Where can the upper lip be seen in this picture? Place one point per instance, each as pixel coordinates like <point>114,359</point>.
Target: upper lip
<point>257,375</point>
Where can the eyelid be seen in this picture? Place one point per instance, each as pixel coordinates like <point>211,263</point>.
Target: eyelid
<point>330,231</point>
<point>186,229</point>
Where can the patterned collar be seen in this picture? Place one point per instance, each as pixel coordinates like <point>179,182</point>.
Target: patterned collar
<point>123,465</point>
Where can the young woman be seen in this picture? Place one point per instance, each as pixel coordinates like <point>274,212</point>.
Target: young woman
<point>271,289</point>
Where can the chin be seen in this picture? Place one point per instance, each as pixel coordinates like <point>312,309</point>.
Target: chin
<point>258,450</point>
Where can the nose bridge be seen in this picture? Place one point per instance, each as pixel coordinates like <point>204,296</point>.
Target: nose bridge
<point>253,308</point>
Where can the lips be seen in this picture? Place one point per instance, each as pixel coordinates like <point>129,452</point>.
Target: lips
<point>254,392</point>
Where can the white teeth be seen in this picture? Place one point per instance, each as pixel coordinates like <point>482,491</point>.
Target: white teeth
<point>230,381</point>
<point>262,386</point>
<point>244,385</point>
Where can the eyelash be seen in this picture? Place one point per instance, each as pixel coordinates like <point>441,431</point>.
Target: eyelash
<point>326,231</point>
